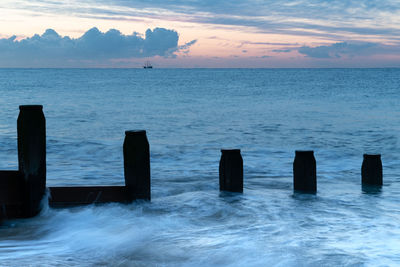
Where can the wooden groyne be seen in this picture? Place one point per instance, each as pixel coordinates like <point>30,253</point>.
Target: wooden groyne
<point>305,172</point>
<point>231,171</point>
<point>11,194</point>
<point>371,170</point>
<point>22,191</point>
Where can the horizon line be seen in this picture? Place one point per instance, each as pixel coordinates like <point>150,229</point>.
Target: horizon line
<point>3,68</point>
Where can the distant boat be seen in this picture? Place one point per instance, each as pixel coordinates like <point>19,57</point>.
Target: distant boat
<point>147,65</point>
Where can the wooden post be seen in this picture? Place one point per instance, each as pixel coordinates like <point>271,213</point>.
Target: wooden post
<point>231,171</point>
<point>371,170</point>
<point>31,128</point>
<point>137,165</point>
<point>305,172</point>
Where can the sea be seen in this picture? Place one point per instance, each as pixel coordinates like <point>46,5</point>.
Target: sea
<point>189,116</point>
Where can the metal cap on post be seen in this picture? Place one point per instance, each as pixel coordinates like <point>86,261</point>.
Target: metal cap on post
<point>305,172</point>
<point>31,128</point>
<point>371,170</point>
<point>231,171</point>
<point>137,165</point>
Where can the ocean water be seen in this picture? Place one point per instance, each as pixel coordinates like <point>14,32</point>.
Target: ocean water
<point>189,115</point>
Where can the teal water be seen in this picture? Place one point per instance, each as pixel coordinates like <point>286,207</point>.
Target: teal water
<point>189,115</point>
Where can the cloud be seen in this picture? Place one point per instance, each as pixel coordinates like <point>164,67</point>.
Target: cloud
<point>338,50</point>
<point>349,50</point>
<point>333,19</point>
<point>268,43</point>
<point>185,47</point>
<point>281,50</point>
<point>93,45</point>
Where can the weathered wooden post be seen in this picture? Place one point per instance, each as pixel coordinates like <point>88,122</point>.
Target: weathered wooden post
<point>31,128</point>
<point>305,172</point>
<point>231,171</point>
<point>137,165</point>
<point>371,170</point>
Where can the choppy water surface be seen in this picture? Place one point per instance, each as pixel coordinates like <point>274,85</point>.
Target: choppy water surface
<point>189,116</point>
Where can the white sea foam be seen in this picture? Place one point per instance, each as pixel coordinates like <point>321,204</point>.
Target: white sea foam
<point>189,115</point>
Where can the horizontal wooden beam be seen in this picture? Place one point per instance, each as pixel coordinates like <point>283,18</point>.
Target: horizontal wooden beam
<point>85,195</point>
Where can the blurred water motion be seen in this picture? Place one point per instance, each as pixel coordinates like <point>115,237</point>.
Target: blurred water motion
<point>189,115</point>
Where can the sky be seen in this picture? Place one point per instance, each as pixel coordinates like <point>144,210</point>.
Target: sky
<point>200,33</point>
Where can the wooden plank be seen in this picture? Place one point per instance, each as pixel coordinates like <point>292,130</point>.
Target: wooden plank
<point>84,195</point>
<point>11,187</point>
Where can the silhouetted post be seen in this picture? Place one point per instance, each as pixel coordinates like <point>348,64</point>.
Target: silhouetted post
<point>31,128</point>
<point>231,171</point>
<point>137,165</point>
<point>305,172</point>
<point>371,170</point>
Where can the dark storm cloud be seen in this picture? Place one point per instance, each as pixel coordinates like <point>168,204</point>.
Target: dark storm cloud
<point>93,45</point>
